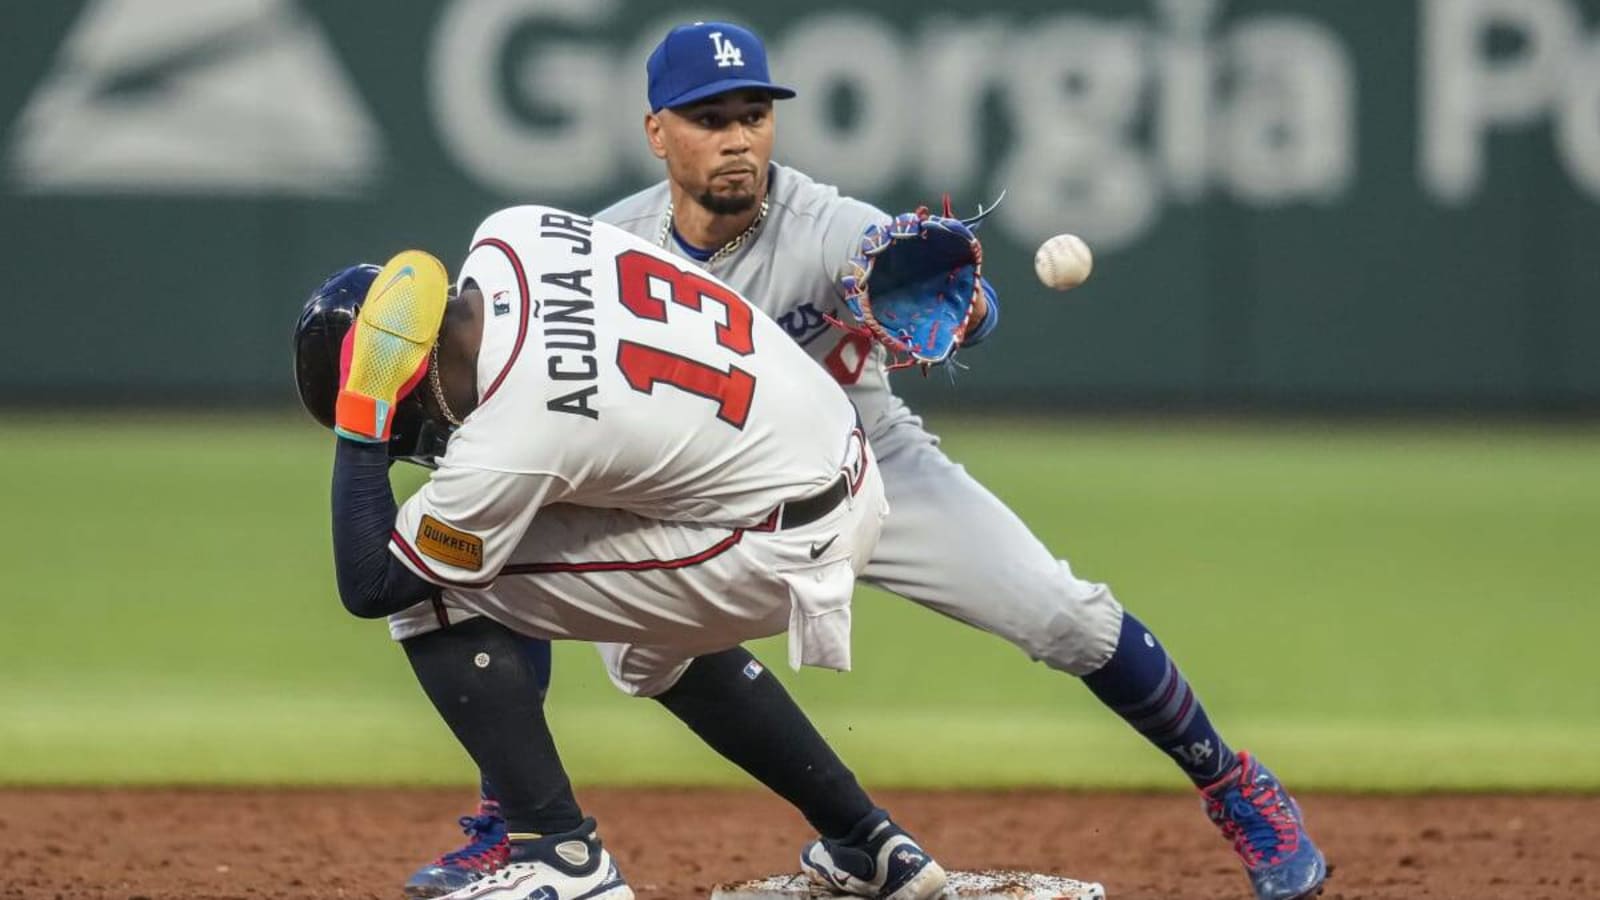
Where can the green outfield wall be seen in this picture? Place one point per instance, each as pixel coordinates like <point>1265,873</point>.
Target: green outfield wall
<point>1303,203</point>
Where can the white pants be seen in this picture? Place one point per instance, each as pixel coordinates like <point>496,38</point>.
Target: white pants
<point>658,594</point>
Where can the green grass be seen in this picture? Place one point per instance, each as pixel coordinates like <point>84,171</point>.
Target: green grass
<point>1386,607</point>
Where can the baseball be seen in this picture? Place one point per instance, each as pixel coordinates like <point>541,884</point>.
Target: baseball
<point>1063,262</point>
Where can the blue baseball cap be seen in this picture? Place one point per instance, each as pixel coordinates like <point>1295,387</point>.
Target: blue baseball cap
<point>697,61</point>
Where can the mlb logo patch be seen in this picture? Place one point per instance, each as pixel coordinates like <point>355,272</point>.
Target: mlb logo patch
<point>502,305</point>
<point>753,670</point>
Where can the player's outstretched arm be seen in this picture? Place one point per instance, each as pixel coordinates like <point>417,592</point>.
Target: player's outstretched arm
<point>372,582</point>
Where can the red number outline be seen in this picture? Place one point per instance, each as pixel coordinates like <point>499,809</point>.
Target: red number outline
<point>644,366</point>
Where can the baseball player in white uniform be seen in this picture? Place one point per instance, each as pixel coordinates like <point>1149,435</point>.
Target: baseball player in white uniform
<point>639,458</point>
<point>783,239</point>
<point>648,423</point>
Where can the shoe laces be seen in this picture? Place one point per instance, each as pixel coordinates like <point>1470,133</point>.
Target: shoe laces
<point>1258,817</point>
<point>488,848</point>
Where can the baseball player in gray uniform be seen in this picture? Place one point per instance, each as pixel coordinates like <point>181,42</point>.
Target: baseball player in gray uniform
<point>783,239</point>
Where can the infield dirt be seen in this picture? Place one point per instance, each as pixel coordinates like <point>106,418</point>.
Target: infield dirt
<point>320,844</point>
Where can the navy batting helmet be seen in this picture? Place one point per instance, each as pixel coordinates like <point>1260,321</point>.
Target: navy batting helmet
<point>416,437</point>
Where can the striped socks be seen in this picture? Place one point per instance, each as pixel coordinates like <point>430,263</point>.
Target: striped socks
<point>1143,685</point>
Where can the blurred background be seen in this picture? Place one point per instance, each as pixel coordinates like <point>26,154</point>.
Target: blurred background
<point>1324,416</point>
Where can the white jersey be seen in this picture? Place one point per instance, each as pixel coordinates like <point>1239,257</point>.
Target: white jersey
<point>990,571</point>
<point>612,375</point>
<point>790,270</point>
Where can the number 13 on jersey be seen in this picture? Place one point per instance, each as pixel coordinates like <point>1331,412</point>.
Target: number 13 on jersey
<point>644,366</point>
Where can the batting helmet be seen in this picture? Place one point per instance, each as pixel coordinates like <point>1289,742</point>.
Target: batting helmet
<point>416,437</point>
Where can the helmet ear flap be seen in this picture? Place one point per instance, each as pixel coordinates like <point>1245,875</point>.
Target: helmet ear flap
<point>325,319</point>
<point>418,437</point>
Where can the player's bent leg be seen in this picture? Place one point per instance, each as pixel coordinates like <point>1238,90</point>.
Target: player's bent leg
<point>1144,686</point>
<point>487,689</point>
<point>993,573</point>
<point>487,846</point>
<point>950,545</point>
<point>607,575</point>
<point>562,535</point>
<point>739,709</point>
<point>483,686</point>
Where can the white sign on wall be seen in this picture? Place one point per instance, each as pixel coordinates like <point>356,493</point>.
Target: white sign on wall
<point>195,96</point>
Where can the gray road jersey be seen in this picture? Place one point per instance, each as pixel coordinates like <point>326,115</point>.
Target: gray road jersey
<point>789,271</point>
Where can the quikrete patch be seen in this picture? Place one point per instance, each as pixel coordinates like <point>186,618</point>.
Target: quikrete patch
<point>450,545</point>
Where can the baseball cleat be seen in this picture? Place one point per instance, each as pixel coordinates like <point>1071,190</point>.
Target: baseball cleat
<point>1252,810</point>
<point>485,852</point>
<point>876,859</point>
<point>567,866</point>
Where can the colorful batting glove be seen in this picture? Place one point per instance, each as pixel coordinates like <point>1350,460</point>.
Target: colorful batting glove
<point>385,354</point>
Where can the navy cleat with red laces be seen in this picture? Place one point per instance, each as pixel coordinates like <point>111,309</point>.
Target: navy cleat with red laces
<point>485,853</point>
<point>1263,822</point>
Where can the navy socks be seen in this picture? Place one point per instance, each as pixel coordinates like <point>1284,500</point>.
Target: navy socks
<point>741,711</point>
<point>482,682</point>
<point>1143,685</point>
<point>537,652</point>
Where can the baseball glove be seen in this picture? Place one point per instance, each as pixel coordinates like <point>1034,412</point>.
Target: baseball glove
<point>913,284</point>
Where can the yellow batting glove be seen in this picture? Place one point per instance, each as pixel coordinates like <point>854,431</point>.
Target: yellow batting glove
<point>385,354</point>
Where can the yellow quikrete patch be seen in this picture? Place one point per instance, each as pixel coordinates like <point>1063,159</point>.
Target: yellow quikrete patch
<point>451,546</point>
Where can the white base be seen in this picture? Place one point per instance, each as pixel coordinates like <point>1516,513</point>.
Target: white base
<point>963,885</point>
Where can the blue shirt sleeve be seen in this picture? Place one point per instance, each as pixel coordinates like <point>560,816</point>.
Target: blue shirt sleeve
<point>990,322</point>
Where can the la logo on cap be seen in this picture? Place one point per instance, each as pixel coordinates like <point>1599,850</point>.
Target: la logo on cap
<point>726,53</point>
<point>680,71</point>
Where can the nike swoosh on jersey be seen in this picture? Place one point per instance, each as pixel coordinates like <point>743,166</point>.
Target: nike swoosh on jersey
<point>819,549</point>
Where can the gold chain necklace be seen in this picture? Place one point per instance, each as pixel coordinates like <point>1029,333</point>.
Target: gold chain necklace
<point>438,389</point>
<point>726,250</point>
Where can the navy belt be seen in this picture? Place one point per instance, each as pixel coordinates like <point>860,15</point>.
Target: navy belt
<point>803,512</point>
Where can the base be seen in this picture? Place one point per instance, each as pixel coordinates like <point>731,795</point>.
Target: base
<point>964,885</point>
